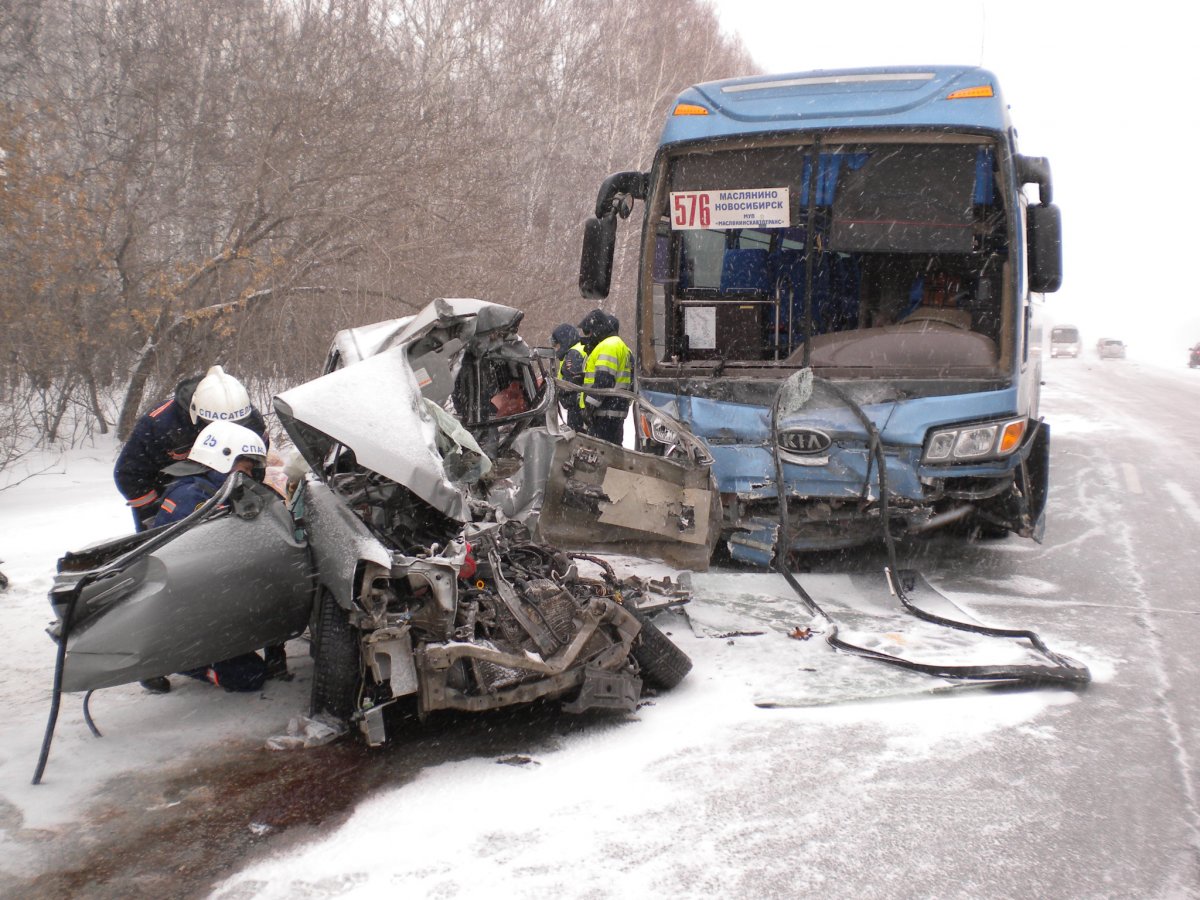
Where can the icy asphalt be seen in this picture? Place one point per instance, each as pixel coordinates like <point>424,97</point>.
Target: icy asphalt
<point>868,785</point>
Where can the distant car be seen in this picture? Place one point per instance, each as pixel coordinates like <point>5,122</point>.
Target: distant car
<point>1111,349</point>
<point>1194,357</point>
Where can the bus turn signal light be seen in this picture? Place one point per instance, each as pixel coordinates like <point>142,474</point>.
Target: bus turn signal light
<point>1010,438</point>
<point>982,90</point>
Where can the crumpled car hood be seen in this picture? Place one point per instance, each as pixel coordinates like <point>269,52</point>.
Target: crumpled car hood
<point>375,408</point>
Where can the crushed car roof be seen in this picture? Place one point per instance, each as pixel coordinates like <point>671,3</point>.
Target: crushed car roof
<point>479,318</point>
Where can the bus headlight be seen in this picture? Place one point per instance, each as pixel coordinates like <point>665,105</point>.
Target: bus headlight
<point>967,443</point>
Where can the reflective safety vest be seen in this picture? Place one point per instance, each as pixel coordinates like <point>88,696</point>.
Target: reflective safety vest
<point>611,355</point>
<point>578,346</point>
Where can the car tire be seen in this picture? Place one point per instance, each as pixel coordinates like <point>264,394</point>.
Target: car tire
<point>663,664</point>
<point>986,531</point>
<point>337,669</point>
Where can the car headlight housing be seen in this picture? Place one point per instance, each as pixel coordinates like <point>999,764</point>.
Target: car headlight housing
<point>654,429</point>
<point>975,442</point>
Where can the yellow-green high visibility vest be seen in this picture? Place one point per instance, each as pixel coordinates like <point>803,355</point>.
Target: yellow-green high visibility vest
<point>610,355</point>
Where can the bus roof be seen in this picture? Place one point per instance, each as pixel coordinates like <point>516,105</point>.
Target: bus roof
<point>900,96</point>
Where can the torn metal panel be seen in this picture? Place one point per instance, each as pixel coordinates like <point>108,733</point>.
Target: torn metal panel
<point>755,541</point>
<point>518,495</point>
<point>389,655</point>
<point>356,344</point>
<point>642,503</point>
<point>340,541</point>
<point>468,317</point>
<point>602,496</point>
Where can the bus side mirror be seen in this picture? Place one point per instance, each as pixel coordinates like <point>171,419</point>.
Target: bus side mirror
<point>1035,170</point>
<point>1045,248</point>
<point>595,265</point>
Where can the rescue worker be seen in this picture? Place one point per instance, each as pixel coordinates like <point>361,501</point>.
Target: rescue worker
<point>166,433</point>
<point>220,449</point>
<point>571,356</point>
<point>609,364</point>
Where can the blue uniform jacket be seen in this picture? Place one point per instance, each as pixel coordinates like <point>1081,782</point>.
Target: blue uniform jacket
<point>187,493</point>
<point>163,436</point>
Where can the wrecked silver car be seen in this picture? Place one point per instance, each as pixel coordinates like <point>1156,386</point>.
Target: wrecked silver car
<point>491,445</point>
<point>434,549</point>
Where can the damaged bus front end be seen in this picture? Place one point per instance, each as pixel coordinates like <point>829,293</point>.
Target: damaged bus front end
<point>838,268</point>
<point>824,449</point>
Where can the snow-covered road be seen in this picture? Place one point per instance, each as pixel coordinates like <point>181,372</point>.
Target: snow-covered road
<point>867,787</point>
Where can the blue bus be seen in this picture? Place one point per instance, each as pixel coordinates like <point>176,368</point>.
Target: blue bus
<point>836,287</point>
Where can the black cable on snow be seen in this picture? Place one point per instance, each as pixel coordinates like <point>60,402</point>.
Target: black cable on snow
<point>56,691</point>
<point>1062,669</point>
<point>87,714</point>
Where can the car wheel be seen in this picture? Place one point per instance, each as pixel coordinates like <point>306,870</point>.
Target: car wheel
<point>663,664</point>
<point>337,671</point>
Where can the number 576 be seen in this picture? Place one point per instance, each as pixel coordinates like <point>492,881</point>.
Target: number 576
<point>688,207</point>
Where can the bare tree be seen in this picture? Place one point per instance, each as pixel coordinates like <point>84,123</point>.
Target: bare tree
<point>231,181</point>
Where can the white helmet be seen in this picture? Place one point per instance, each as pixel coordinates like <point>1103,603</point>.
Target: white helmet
<point>219,398</point>
<point>221,443</point>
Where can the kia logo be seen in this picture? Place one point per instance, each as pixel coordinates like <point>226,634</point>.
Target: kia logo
<point>804,440</point>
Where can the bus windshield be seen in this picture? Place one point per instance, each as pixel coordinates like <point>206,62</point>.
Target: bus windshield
<point>886,255</point>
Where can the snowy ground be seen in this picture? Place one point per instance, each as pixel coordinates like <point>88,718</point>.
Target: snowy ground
<point>600,814</point>
<point>698,796</point>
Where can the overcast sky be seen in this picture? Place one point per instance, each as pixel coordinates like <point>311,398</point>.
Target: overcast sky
<point>1098,88</point>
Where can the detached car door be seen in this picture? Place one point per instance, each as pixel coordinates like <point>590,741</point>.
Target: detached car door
<point>232,578</point>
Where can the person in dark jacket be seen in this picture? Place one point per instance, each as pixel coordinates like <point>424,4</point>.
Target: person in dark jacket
<point>609,364</point>
<point>220,449</point>
<point>165,435</point>
<point>571,356</point>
